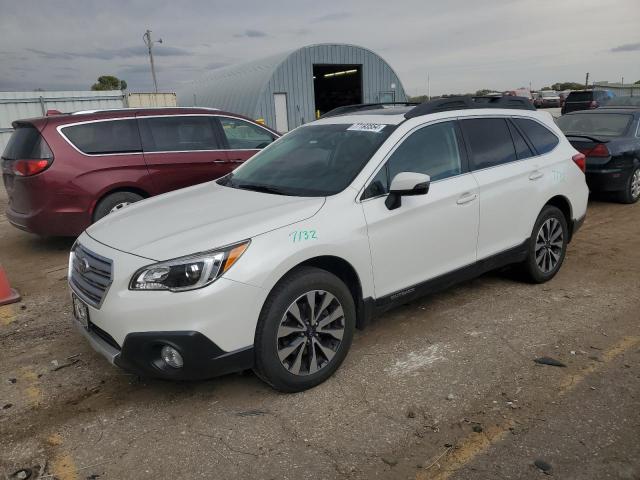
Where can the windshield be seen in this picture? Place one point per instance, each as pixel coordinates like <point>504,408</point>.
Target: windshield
<point>312,161</point>
<point>549,94</point>
<point>595,124</point>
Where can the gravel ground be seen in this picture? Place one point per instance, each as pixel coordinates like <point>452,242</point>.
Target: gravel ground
<point>444,387</point>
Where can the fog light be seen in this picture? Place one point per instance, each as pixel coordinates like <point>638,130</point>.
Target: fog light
<point>171,357</point>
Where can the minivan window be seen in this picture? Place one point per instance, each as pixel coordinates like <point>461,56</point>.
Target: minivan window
<point>316,160</point>
<point>113,136</point>
<point>489,141</point>
<point>26,143</point>
<point>595,124</point>
<point>542,138</point>
<point>243,135</point>
<point>432,150</point>
<point>580,96</point>
<point>178,133</point>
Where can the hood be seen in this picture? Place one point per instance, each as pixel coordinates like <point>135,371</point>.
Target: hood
<point>197,219</point>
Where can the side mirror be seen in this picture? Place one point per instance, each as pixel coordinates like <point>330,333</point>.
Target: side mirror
<point>406,184</point>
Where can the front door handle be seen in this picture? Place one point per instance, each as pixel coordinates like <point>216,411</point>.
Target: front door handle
<point>535,175</point>
<point>466,198</point>
<point>236,160</point>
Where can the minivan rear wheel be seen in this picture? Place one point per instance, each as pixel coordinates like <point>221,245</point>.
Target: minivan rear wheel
<point>547,245</point>
<point>114,202</point>
<point>305,330</point>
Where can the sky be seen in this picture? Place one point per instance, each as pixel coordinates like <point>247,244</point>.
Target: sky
<point>462,45</point>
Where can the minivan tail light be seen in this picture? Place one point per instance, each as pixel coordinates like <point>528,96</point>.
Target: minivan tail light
<point>26,168</point>
<point>581,161</point>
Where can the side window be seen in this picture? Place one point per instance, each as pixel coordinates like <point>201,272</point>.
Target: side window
<point>432,150</point>
<point>522,149</point>
<point>378,186</point>
<point>243,135</point>
<point>489,140</point>
<point>177,133</point>
<point>542,138</point>
<point>99,138</point>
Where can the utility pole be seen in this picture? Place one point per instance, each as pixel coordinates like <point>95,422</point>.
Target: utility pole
<point>149,43</point>
<point>586,81</point>
<point>428,86</point>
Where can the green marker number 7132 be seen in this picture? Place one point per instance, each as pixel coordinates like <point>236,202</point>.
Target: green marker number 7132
<point>300,235</point>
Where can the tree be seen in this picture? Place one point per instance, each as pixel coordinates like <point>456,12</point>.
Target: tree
<point>637,83</point>
<point>559,86</point>
<point>109,82</point>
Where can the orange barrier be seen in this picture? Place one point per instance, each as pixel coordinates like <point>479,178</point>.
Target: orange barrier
<point>7,294</point>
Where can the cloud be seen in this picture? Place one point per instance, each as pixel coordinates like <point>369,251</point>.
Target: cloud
<point>331,17</point>
<point>110,54</point>
<point>629,47</point>
<point>251,34</point>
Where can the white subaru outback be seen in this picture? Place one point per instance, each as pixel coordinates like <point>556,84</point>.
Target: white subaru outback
<point>273,266</point>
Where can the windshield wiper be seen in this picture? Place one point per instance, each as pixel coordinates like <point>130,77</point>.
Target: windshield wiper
<point>260,188</point>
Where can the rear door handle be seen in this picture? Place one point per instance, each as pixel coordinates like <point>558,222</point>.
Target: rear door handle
<point>535,175</point>
<point>466,198</point>
<point>221,161</point>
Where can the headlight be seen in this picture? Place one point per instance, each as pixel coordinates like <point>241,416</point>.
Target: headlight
<point>190,272</point>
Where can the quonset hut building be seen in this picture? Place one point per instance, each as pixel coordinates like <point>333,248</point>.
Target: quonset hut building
<point>292,88</point>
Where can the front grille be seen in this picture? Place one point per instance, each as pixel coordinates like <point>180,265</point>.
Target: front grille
<point>90,275</point>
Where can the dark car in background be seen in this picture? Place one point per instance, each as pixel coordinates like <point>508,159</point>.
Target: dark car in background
<point>64,172</point>
<point>609,137</point>
<point>586,100</point>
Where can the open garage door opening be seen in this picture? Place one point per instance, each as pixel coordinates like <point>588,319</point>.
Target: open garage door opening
<point>336,86</point>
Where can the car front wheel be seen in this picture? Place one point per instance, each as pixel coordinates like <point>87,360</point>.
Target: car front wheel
<point>547,245</point>
<point>305,330</point>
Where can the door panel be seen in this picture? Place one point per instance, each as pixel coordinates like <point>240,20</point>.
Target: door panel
<point>182,150</point>
<point>429,235</point>
<point>280,106</point>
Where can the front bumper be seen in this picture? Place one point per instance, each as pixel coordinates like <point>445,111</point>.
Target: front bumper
<point>212,327</point>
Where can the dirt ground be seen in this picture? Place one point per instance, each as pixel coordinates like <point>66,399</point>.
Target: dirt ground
<point>444,387</point>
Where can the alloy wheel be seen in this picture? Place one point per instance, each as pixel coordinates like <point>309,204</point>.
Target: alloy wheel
<point>310,332</point>
<point>635,184</point>
<point>549,245</point>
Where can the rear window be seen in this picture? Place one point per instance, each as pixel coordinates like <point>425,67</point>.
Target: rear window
<point>595,124</point>
<point>26,143</point>
<point>489,140</point>
<point>580,97</point>
<point>542,138</point>
<point>99,138</point>
<point>178,134</point>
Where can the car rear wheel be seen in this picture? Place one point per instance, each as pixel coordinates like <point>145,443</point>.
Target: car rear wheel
<point>114,202</point>
<point>631,193</point>
<point>547,245</point>
<point>305,330</point>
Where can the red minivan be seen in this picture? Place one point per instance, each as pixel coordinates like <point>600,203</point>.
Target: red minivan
<point>64,172</point>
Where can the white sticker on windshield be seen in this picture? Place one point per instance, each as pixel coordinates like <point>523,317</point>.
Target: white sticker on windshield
<point>366,127</point>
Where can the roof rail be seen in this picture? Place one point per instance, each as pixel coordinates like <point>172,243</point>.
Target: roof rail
<point>465,103</point>
<point>127,109</point>
<point>363,106</point>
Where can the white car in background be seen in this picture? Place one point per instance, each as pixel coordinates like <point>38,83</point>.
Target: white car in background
<point>273,266</point>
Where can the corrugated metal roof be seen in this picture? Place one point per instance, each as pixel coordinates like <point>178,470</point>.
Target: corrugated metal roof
<point>249,88</point>
<point>237,85</point>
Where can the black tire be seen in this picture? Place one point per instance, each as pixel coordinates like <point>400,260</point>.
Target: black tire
<point>630,194</point>
<point>290,289</point>
<point>531,269</point>
<point>111,201</point>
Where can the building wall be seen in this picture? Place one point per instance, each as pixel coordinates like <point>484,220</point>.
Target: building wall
<point>19,105</point>
<point>294,76</point>
<point>248,88</point>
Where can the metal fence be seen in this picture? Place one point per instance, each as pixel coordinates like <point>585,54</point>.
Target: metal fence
<point>17,105</point>
<point>620,90</point>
